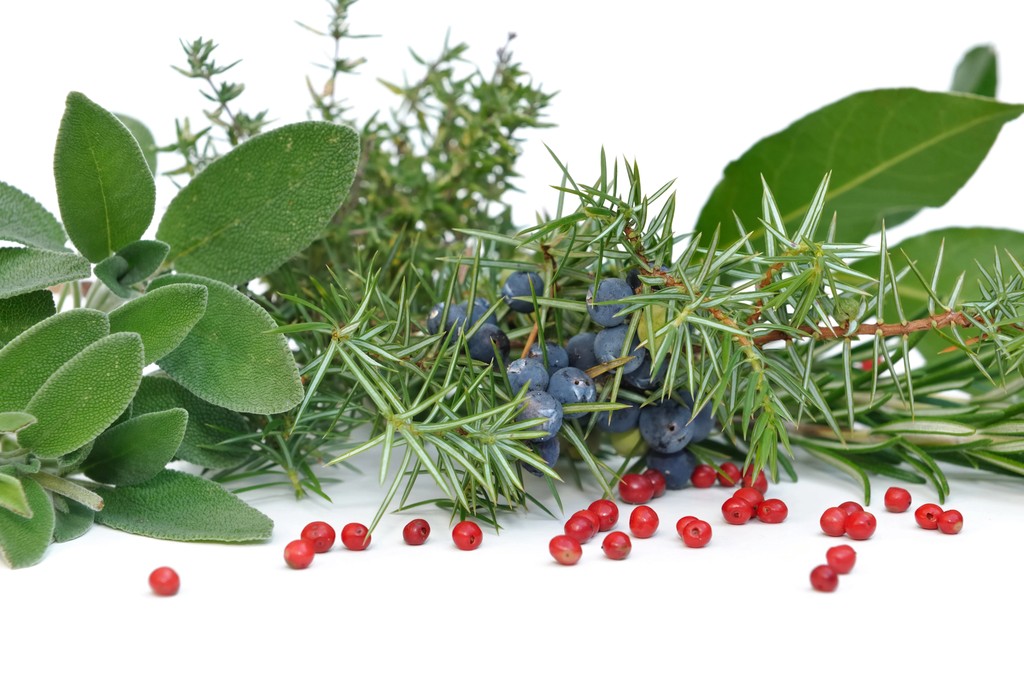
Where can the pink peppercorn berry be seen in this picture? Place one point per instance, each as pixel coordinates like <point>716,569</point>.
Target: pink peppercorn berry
<point>897,499</point>
<point>565,549</point>
<point>824,578</point>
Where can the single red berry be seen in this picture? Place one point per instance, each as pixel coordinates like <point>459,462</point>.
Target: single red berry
<point>772,511</point>
<point>860,525</point>
<point>682,522</point>
<point>616,545</point>
<point>850,507</point>
<point>299,553</point>
<point>897,499</point>
<point>565,549</point>
<point>841,558</point>
<point>635,489</point>
<point>581,528</point>
<point>321,533</point>
<point>737,511</point>
<point>643,521</point>
<point>658,480</point>
<point>750,495</point>
<point>927,516</point>
<point>355,536</point>
<point>728,474</point>
<point>833,521</point>
<point>760,482</point>
<point>467,535</point>
<point>164,581</point>
<point>824,578</point>
<point>696,533</point>
<point>703,476</point>
<point>607,511</point>
<point>416,532</point>
<point>951,522</point>
<point>594,518</point>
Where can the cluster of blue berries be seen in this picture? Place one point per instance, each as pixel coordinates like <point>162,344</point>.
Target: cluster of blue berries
<point>555,376</point>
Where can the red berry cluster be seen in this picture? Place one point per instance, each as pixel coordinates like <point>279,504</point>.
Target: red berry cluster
<point>583,525</point>
<point>849,518</point>
<point>696,533</point>
<point>839,560</point>
<point>932,516</point>
<point>748,501</point>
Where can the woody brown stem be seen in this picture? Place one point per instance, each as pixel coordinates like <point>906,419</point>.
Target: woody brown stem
<point>943,320</point>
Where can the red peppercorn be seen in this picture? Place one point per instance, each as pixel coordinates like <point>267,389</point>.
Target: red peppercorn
<point>897,499</point>
<point>950,522</point>
<point>850,507</point>
<point>607,511</point>
<point>467,535</point>
<point>841,558</point>
<point>760,482</point>
<point>416,532</point>
<point>658,480</point>
<point>696,533</point>
<point>750,495</point>
<point>355,536</point>
<point>824,578</point>
<point>927,516</point>
<point>321,534</point>
<point>728,474</point>
<point>580,528</point>
<point>635,489</point>
<point>299,553</point>
<point>772,511</point>
<point>737,511</point>
<point>643,521</point>
<point>703,476</point>
<point>860,526</point>
<point>682,522</point>
<point>565,549</point>
<point>165,581</point>
<point>616,545</point>
<point>833,521</point>
<point>594,518</point>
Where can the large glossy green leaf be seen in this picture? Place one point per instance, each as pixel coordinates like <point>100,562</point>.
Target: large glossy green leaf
<point>23,220</point>
<point>23,540</point>
<point>890,152</point>
<point>208,425</point>
<point>977,73</point>
<point>21,312</point>
<point>142,135</point>
<point>30,359</point>
<point>137,449</point>
<point>254,208</point>
<point>84,396</point>
<point>182,507</point>
<point>12,496</point>
<point>105,189</point>
<point>162,317</point>
<point>23,270</point>
<point>229,359</point>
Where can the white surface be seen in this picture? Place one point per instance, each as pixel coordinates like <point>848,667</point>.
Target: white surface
<point>681,90</point>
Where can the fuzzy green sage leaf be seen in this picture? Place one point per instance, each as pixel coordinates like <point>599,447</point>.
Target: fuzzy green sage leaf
<point>21,312</point>
<point>23,540</point>
<point>12,421</point>
<point>23,270</point>
<point>162,317</point>
<point>72,521</point>
<point>142,135</point>
<point>977,72</point>
<point>23,220</point>
<point>12,496</point>
<point>134,451</point>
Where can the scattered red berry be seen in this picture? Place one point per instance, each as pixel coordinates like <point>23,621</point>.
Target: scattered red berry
<point>737,511</point>
<point>824,578</point>
<point>728,474</point>
<point>580,528</point>
<point>750,495</point>
<point>696,533</point>
<point>833,521</point>
<point>635,489</point>
<point>416,532</point>
<point>760,482</point>
<point>643,521</point>
<point>658,480</point>
<point>607,511</point>
<point>616,545</point>
<point>951,522</point>
<point>897,499</point>
<point>467,535</point>
<point>299,553</point>
<point>850,507</point>
<point>355,536</point>
<point>927,516</point>
<point>841,558</point>
<point>772,511</point>
<point>594,518</point>
<point>164,581</point>
<point>565,549</point>
<point>703,476</point>
<point>860,525</point>
<point>321,534</point>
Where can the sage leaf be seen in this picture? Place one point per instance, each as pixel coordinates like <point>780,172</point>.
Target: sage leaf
<point>182,507</point>
<point>229,359</point>
<point>890,152</point>
<point>21,312</point>
<point>162,317</point>
<point>208,425</point>
<point>12,421</point>
<point>84,396</point>
<point>130,265</point>
<point>144,138</point>
<point>23,540</point>
<point>977,73</point>
<point>257,206</point>
<point>72,521</point>
<point>23,220</point>
<point>30,359</point>
<point>12,496</point>
<point>137,449</point>
<point>105,189</point>
<point>23,270</point>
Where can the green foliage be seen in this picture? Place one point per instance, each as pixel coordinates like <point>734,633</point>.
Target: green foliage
<point>977,72</point>
<point>24,221</point>
<point>21,312</point>
<point>163,318</point>
<point>131,265</point>
<point>23,270</point>
<point>23,539</point>
<point>136,450</point>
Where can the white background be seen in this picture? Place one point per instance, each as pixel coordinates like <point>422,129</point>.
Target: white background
<point>682,91</point>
